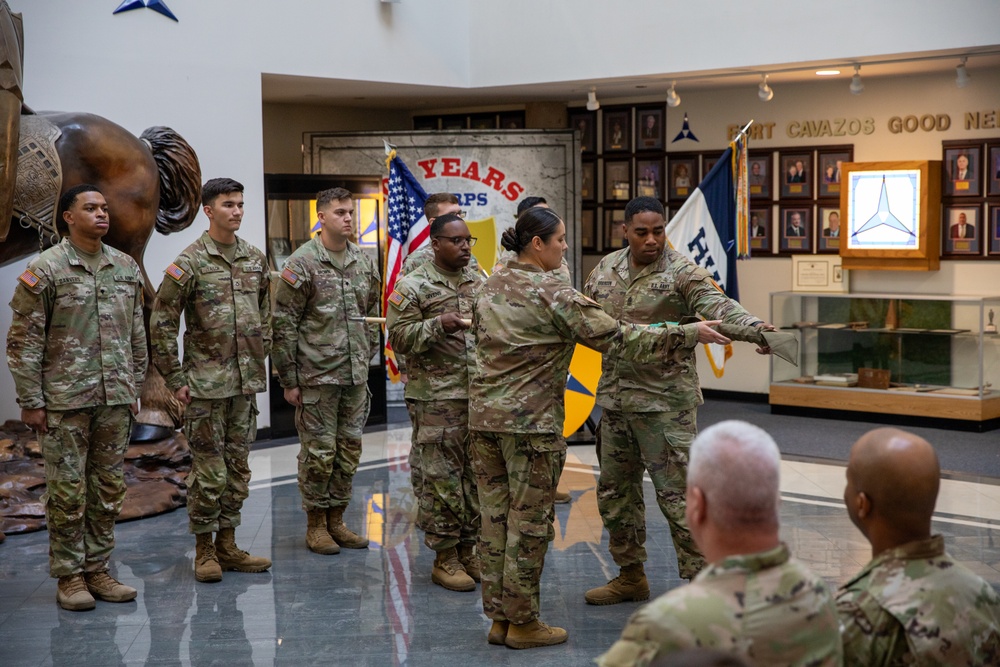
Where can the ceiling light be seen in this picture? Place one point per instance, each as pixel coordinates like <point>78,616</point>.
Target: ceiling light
<point>592,103</point>
<point>764,91</point>
<point>962,77</point>
<point>673,99</point>
<point>857,85</point>
<point>827,72</point>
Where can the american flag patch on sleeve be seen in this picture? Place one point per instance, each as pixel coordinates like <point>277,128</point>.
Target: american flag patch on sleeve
<point>29,278</point>
<point>396,298</point>
<point>290,277</point>
<point>175,272</point>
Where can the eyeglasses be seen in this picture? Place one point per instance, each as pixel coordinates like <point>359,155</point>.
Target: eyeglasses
<point>460,240</point>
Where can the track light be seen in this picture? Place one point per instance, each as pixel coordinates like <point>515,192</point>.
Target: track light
<point>592,103</point>
<point>673,99</point>
<point>857,85</point>
<point>764,91</point>
<point>962,77</point>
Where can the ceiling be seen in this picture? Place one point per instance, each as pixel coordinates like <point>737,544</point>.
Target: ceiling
<point>286,89</point>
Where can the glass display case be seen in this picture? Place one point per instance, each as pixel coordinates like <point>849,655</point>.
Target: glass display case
<point>905,354</point>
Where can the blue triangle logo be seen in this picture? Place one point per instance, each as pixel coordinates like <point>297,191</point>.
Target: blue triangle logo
<point>129,5</point>
<point>572,384</point>
<point>161,7</point>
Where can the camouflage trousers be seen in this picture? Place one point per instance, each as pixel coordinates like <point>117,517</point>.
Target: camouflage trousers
<point>219,432</point>
<point>84,485</point>
<point>330,423</point>
<point>416,476</point>
<point>657,442</point>
<point>447,497</point>
<point>516,476</point>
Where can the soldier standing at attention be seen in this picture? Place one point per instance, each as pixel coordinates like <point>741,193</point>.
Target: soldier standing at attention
<point>321,351</point>
<point>753,599</point>
<point>436,205</point>
<point>912,604</point>
<point>77,351</point>
<point>650,410</point>
<point>428,314</point>
<point>526,322</point>
<point>221,285</point>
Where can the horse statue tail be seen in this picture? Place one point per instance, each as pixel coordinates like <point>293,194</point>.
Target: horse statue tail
<point>180,179</point>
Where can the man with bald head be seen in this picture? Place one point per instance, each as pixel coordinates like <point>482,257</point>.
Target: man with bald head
<point>912,604</point>
<point>752,599</point>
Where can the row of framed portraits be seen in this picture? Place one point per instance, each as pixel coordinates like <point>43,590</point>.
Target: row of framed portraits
<point>970,169</point>
<point>620,129</point>
<point>489,120</point>
<point>969,231</point>
<point>774,174</point>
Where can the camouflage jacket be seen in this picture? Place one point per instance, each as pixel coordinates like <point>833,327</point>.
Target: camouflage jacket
<point>526,322</point>
<point>766,607</point>
<point>227,327</point>
<point>425,255</point>
<point>315,341</point>
<point>440,363</point>
<point>664,291</point>
<point>77,339</point>
<point>507,256</point>
<point>914,605</point>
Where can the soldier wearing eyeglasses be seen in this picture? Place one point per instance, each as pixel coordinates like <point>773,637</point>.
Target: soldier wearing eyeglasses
<point>428,313</point>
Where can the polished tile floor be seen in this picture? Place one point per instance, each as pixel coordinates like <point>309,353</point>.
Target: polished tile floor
<point>379,607</point>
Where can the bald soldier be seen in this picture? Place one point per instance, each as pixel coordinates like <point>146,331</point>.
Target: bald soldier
<point>912,604</point>
<point>752,599</point>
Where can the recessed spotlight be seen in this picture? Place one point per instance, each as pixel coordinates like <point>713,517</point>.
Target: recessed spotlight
<point>827,72</point>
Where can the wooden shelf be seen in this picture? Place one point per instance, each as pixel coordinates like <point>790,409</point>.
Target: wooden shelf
<point>966,408</point>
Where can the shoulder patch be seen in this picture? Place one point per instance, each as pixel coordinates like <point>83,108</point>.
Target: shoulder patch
<point>175,272</point>
<point>584,300</point>
<point>397,299</point>
<point>291,277</point>
<point>29,278</point>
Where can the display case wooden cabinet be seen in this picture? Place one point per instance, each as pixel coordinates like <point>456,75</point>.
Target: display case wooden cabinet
<point>901,354</point>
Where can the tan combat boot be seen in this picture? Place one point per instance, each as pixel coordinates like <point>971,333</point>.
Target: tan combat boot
<point>72,593</point>
<point>231,557</point>
<point>341,534</point>
<point>498,633</point>
<point>105,587</point>
<point>533,634</point>
<point>469,559</point>
<point>317,537</point>
<point>448,572</point>
<point>562,498</point>
<point>206,562</point>
<point>631,584</point>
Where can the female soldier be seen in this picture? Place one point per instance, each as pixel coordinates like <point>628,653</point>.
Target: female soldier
<point>526,321</point>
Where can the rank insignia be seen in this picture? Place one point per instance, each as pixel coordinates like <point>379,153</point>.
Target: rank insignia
<point>175,272</point>
<point>29,278</point>
<point>290,277</point>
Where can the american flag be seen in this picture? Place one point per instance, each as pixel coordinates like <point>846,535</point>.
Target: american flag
<point>407,229</point>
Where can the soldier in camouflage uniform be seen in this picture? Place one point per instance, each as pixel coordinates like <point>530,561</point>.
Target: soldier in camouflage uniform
<point>77,351</point>
<point>221,284</point>
<point>650,411</point>
<point>425,322</point>
<point>526,322</point>
<point>321,352</point>
<point>913,604</point>
<point>752,600</point>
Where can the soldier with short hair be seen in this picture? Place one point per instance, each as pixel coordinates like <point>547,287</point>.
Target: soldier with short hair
<point>321,352</point>
<point>913,604</point>
<point>221,285</point>
<point>752,599</point>
<point>77,351</point>
<point>429,311</point>
<point>650,410</point>
<point>436,205</point>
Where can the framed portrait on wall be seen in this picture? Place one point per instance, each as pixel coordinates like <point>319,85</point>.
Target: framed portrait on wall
<point>588,181</point>
<point>617,180</point>
<point>708,163</point>
<point>962,171</point>
<point>649,178</point>
<point>993,168</point>
<point>961,232</point>
<point>483,121</point>
<point>649,127</point>
<point>425,122</point>
<point>796,175</point>
<point>456,122</point>
<point>760,230</point>
<point>795,229</point>
<point>585,123</point>
<point>588,229</point>
<point>828,229</point>
<point>759,170</point>
<point>617,128</point>
<point>682,172</point>
<point>614,229</point>
<point>512,120</point>
<point>829,170</point>
<point>994,223</point>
